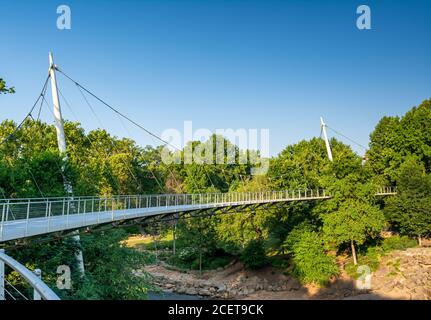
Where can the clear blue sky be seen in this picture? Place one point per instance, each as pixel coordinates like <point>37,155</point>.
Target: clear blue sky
<point>223,64</point>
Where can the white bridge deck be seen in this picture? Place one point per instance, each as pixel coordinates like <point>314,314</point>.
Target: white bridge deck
<point>23,218</point>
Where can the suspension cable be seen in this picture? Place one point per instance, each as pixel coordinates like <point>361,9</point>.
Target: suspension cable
<point>126,117</point>
<point>28,114</point>
<point>116,111</point>
<point>346,137</point>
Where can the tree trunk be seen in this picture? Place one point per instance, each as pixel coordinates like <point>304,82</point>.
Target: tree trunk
<point>200,262</point>
<point>174,246</point>
<point>420,240</point>
<point>352,245</point>
<point>155,246</point>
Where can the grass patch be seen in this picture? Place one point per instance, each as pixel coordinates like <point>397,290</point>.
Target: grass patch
<point>208,263</point>
<point>147,242</point>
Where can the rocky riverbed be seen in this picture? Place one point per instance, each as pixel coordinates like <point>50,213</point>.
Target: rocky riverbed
<point>401,275</point>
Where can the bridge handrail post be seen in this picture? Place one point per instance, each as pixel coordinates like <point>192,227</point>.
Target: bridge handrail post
<point>49,215</point>
<point>2,280</point>
<point>36,294</point>
<point>27,217</point>
<point>2,220</point>
<point>7,210</point>
<point>67,212</point>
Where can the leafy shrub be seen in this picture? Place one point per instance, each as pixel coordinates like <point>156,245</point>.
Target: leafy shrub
<point>195,264</point>
<point>188,254</point>
<point>279,262</point>
<point>398,243</point>
<point>296,234</point>
<point>254,256</point>
<point>311,264</point>
<point>217,262</point>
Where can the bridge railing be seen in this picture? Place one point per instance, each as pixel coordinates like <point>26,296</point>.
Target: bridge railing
<point>18,209</point>
<point>386,191</point>
<point>10,291</point>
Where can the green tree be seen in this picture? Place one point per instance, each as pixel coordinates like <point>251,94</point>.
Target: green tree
<point>394,139</point>
<point>410,210</point>
<point>109,264</point>
<point>354,222</point>
<point>311,263</point>
<point>198,239</point>
<point>254,255</point>
<point>4,89</point>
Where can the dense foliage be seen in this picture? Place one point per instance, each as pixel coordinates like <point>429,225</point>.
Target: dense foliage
<point>410,211</point>
<point>254,255</point>
<point>311,263</point>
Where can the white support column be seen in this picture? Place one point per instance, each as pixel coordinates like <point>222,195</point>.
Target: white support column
<point>61,140</point>
<point>325,135</point>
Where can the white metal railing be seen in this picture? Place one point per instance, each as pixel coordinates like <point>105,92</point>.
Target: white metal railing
<point>8,290</point>
<point>386,191</point>
<point>32,216</point>
<point>18,209</point>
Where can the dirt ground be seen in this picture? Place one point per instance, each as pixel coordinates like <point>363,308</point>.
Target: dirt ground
<point>401,275</point>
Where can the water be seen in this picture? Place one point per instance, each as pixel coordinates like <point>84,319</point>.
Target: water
<point>172,296</point>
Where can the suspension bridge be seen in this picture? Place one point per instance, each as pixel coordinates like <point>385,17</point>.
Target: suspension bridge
<point>30,217</point>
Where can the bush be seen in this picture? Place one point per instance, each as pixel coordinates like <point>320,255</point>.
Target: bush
<point>279,262</point>
<point>216,262</point>
<point>254,256</point>
<point>398,243</point>
<point>295,234</point>
<point>311,264</point>
<point>188,254</point>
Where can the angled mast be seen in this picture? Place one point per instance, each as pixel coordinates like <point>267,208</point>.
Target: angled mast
<point>61,140</point>
<point>325,136</point>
